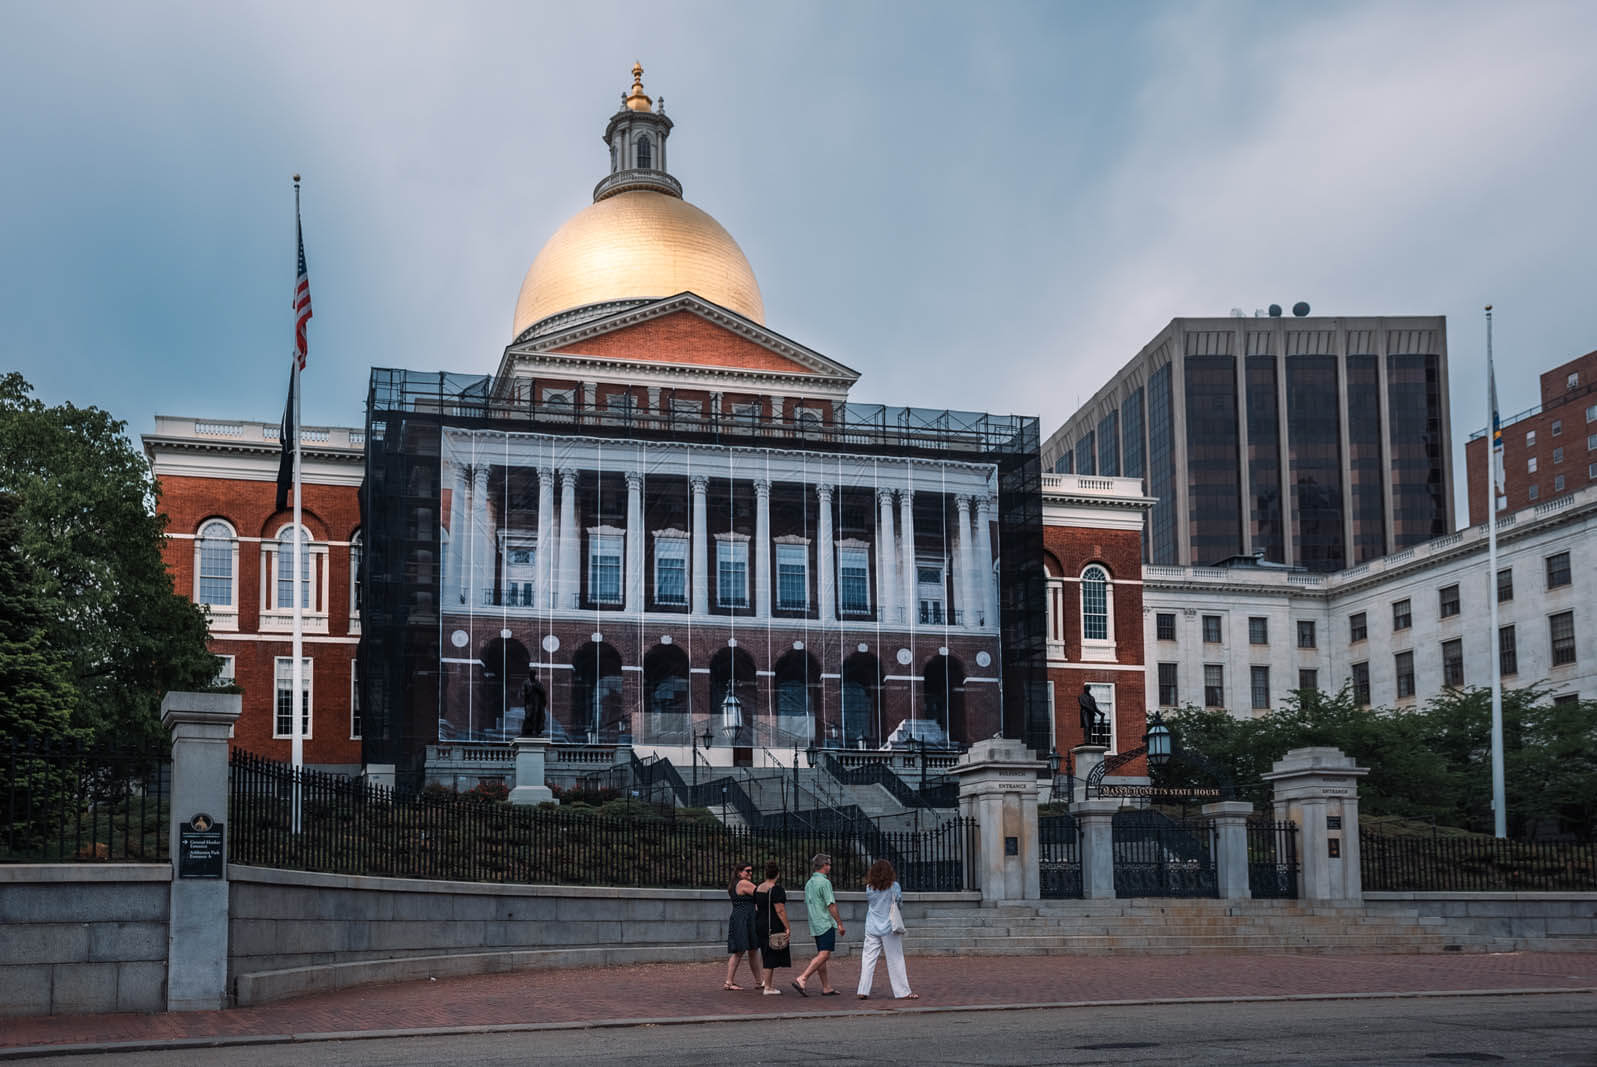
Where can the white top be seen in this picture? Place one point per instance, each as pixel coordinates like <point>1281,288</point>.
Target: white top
<point>878,903</point>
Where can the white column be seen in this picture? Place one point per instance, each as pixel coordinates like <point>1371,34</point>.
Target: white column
<point>570,585</point>
<point>982,573</point>
<point>701,545</point>
<point>762,549</point>
<point>824,556</point>
<point>482,558</point>
<point>459,540</point>
<point>906,536</point>
<point>548,547</point>
<point>968,611</point>
<point>886,568</point>
<point>635,536</point>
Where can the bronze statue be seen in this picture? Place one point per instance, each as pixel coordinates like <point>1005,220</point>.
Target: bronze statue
<point>1093,719</point>
<point>536,702</point>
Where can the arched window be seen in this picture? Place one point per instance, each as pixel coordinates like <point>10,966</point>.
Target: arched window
<point>285,569</point>
<point>1097,614</point>
<point>862,688</point>
<point>665,693</point>
<point>216,571</point>
<point>645,153</point>
<point>596,713</point>
<point>797,682</point>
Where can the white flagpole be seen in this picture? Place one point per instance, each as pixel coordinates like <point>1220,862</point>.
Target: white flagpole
<point>298,745</point>
<point>1499,802</point>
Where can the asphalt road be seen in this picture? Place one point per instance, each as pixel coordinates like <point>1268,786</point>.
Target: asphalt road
<point>1553,1029</point>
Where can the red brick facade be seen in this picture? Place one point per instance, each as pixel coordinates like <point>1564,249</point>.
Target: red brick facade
<point>683,337</point>
<point>1560,439</point>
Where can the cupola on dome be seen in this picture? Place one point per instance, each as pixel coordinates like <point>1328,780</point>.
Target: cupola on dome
<point>639,240</point>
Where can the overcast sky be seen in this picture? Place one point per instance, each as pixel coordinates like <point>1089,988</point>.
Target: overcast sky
<point>981,206</point>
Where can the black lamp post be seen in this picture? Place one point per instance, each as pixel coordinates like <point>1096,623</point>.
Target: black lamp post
<point>707,736</point>
<point>1054,759</point>
<point>1158,741</point>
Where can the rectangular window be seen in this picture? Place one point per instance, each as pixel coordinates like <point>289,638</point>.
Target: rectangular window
<point>1591,471</point>
<point>1448,601</point>
<point>1258,630</point>
<point>216,570</point>
<point>1165,623</point>
<point>1453,663</point>
<point>1213,685</point>
<point>1530,465</point>
<point>283,724</point>
<point>750,413</point>
<point>1403,667</point>
<point>224,676</point>
<point>671,571</point>
<point>1530,440</point>
<point>1361,684</point>
<point>930,592</point>
<point>793,577</point>
<point>1591,442</point>
<point>1507,652</point>
<point>1358,627</point>
<point>1533,493</point>
<point>1308,678</point>
<point>1505,585</point>
<point>1558,455</point>
<point>1402,615</point>
<point>687,407</point>
<point>604,568</point>
<point>1558,570</point>
<point>854,581</point>
<point>1211,629</point>
<point>1572,381</point>
<point>1558,483</point>
<point>1591,413</point>
<point>1259,678</point>
<point>1558,429</point>
<point>1561,628</point>
<point>1564,700</point>
<point>732,574</point>
<point>1169,690</point>
<point>1306,635</point>
<point>354,701</point>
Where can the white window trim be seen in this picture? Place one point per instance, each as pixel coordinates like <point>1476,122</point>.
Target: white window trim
<point>357,551</point>
<point>515,542</point>
<point>226,675</point>
<point>798,548</point>
<point>942,589</point>
<point>1223,701</point>
<point>1104,694</point>
<point>276,619</point>
<point>1055,604</point>
<point>672,544</point>
<point>354,701</point>
<point>1095,649</point>
<point>733,545</point>
<point>849,544</point>
<point>307,715</point>
<point>619,536</point>
<point>222,616</point>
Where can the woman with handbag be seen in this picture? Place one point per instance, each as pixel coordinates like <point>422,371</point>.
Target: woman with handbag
<point>884,932</point>
<point>770,927</point>
<point>740,937</point>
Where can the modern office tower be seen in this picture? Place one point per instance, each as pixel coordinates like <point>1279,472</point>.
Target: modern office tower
<point>1549,451</point>
<point>1315,442</point>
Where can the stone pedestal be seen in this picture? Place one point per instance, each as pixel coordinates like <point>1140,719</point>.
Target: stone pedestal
<point>1096,820</point>
<point>530,752</point>
<point>201,725</point>
<point>1084,760</point>
<point>380,774</point>
<point>1317,788</point>
<point>1231,847</point>
<point>998,787</point>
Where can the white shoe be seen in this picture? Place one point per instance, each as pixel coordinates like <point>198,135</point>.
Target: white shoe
<point>770,991</point>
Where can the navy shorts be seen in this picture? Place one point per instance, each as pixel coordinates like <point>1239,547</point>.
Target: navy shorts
<point>826,942</point>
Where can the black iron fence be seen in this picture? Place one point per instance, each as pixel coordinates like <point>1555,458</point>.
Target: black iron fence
<point>349,826</point>
<point>1273,859</point>
<point>1157,856</point>
<point>1059,856</point>
<point>1464,864</point>
<point>66,803</point>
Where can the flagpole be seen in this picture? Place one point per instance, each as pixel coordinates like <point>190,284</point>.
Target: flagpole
<point>1494,443</point>
<point>298,744</point>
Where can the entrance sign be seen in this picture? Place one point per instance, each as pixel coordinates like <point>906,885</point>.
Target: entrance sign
<point>200,848</point>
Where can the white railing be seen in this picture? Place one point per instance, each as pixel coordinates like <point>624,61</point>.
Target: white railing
<point>219,429</point>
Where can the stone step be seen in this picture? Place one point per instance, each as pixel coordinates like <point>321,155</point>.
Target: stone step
<point>1155,945</point>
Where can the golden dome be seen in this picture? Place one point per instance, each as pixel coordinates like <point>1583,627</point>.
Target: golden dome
<point>637,100</point>
<point>637,245</point>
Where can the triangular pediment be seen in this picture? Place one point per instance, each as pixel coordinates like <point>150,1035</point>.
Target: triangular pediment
<point>686,332</point>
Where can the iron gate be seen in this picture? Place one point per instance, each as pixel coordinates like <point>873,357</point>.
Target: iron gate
<point>1059,841</point>
<point>1157,856</point>
<point>1273,859</point>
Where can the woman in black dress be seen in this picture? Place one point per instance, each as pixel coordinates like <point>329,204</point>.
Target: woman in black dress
<point>770,917</point>
<point>740,936</point>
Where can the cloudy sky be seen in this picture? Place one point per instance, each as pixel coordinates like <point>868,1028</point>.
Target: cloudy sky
<point>979,206</point>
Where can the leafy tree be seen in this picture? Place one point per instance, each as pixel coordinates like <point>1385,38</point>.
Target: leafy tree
<point>88,540</point>
<point>36,699</point>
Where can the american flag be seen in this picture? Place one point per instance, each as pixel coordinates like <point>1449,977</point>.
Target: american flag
<point>302,298</point>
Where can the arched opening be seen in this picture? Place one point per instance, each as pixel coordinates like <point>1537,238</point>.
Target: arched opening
<point>1095,604</point>
<point>862,702</point>
<point>499,704</point>
<point>943,696</point>
<point>596,713</point>
<point>732,670</point>
<point>797,681</point>
<point>645,153</point>
<point>667,715</point>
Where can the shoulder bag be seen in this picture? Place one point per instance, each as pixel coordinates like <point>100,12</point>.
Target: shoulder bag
<point>895,917</point>
<point>777,939</point>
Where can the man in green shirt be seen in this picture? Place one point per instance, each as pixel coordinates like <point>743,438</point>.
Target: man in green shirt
<point>825,925</point>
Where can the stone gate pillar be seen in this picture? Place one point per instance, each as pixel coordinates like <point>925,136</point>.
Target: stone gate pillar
<point>998,788</point>
<point>197,928</point>
<point>1231,847</point>
<point>1084,760</point>
<point>1097,821</point>
<point>1317,788</point>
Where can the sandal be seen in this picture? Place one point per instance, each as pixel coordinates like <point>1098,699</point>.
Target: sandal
<point>910,996</point>
<point>732,988</point>
<point>800,987</point>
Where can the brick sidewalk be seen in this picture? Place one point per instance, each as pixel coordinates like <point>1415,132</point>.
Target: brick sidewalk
<point>694,990</point>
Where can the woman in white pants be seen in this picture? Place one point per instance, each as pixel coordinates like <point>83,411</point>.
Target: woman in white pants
<point>881,893</point>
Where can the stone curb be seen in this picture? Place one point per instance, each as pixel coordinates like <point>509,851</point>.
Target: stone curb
<point>248,1040</point>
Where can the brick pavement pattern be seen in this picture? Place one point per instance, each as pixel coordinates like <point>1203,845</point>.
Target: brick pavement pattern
<point>670,991</point>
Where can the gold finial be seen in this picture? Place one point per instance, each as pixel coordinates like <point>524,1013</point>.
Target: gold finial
<point>637,100</point>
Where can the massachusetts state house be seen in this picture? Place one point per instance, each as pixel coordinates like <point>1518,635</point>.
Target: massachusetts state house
<point>667,524</point>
